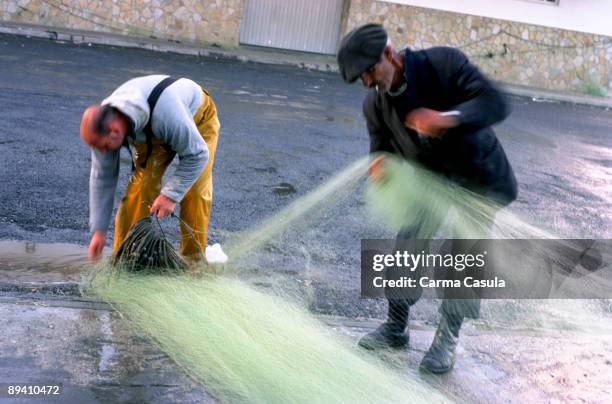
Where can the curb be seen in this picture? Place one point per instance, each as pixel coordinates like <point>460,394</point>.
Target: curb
<point>537,95</point>
<point>296,59</point>
<point>274,57</point>
<point>49,288</point>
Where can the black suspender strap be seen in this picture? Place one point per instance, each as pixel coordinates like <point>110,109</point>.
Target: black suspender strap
<point>126,144</point>
<point>152,101</point>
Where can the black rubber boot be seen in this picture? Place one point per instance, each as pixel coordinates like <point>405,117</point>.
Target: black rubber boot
<point>441,355</point>
<point>390,334</point>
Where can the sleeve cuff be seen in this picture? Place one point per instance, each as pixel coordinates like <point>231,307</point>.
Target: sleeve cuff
<point>175,196</point>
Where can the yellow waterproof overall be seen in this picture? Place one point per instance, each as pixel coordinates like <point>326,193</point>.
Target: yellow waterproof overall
<point>145,186</point>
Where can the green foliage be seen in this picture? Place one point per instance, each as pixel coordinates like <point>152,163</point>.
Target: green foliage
<point>595,89</point>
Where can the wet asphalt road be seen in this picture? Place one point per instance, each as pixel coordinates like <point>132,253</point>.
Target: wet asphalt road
<point>280,125</point>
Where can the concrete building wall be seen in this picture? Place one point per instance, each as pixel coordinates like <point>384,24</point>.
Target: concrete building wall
<point>208,21</point>
<point>513,52</point>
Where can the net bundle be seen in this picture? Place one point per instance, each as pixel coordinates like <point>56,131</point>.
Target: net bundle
<point>146,249</point>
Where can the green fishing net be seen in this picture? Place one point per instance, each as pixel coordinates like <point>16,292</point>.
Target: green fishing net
<point>245,345</point>
<point>248,343</point>
<point>146,249</point>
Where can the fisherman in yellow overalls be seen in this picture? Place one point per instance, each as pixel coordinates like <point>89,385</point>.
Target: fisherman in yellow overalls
<point>158,117</point>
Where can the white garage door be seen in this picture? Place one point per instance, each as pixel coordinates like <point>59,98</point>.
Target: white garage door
<point>304,25</point>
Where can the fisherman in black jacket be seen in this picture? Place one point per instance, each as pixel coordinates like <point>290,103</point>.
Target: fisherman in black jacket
<point>433,107</point>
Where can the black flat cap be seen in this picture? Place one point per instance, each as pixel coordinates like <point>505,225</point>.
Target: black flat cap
<point>361,49</point>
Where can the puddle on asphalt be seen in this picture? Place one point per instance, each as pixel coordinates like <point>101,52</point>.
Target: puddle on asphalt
<point>240,92</point>
<point>26,261</point>
<point>284,188</point>
<point>9,58</point>
<point>108,351</point>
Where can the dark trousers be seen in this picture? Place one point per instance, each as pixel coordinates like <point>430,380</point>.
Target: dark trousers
<point>413,239</point>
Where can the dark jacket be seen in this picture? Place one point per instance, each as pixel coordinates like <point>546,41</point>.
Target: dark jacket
<point>443,79</point>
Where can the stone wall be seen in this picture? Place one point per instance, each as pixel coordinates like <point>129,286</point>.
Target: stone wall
<point>507,51</point>
<point>204,21</point>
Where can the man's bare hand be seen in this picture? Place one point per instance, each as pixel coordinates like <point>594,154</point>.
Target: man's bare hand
<point>96,245</point>
<point>162,206</point>
<point>376,171</point>
<point>428,122</point>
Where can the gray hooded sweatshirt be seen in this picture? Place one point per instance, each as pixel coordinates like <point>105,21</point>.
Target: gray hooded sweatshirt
<point>172,122</point>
